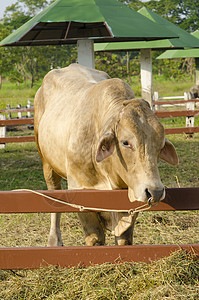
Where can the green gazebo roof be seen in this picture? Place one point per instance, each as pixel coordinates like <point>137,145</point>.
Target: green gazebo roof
<point>185,39</point>
<point>65,21</point>
<point>181,53</point>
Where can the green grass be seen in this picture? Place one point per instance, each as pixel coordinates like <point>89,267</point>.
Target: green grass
<point>171,87</point>
<point>163,86</point>
<point>12,94</point>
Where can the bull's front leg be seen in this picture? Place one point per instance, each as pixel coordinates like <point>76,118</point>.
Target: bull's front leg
<point>53,181</point>
<point>54,238</point>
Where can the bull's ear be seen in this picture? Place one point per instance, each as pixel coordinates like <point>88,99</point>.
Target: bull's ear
<point>106,146</point>
<point>169,154</point>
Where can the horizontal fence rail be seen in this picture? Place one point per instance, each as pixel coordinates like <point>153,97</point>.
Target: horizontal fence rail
<point>25,121</point>
<point>35,258</point>
<point>178,130</point>
<point>25,201</point>
<point>17,139</point>
<point>173,114</point>
<point>173,102</point>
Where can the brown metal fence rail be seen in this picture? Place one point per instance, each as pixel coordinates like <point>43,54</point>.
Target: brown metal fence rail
<point>36,257</point>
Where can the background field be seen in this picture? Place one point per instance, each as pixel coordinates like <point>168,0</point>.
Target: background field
<point>175,277</point>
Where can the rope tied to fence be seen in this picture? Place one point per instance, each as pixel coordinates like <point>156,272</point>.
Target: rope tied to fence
<point>82,208</point>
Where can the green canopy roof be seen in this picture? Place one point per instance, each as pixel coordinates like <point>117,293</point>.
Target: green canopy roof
<point>184,40</point>
<point>181,53</point>
<point>65,21</point>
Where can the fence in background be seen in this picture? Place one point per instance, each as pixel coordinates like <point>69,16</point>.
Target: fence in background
<point>36,257</point>
<point>15,117</point>
<point>189,113</point>
<point>27,119</point>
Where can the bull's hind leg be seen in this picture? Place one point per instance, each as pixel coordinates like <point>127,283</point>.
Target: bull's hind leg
<point>53,181</point>
<point>94,233</point>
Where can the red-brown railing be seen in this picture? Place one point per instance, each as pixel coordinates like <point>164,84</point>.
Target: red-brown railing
<point>36,257</point>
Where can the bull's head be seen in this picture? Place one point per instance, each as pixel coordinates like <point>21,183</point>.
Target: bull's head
<point>134,144</point>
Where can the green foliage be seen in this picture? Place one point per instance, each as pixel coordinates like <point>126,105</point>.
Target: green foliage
<point>135,4</point>
<point>14,17</point>
<point>183,13</point>
<point>122,64</point>
<point>22,63</point>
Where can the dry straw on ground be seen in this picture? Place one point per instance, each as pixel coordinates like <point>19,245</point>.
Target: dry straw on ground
<point>175,277</point>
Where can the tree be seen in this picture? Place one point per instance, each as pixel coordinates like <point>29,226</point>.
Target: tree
<point>190,15</point>
<point>4,65</point>
<point>32,62</point>
<point>184,13</point>
<point>135,4</point>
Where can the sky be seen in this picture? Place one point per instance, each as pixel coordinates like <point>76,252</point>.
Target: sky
<point>4,4</point>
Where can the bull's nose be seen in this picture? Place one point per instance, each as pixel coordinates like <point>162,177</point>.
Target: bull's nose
<point>155,195</point>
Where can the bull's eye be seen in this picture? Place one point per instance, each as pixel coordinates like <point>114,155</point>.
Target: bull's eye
<point>125,143</point>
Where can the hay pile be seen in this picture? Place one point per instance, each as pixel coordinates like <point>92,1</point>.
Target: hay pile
<point>174,277</point>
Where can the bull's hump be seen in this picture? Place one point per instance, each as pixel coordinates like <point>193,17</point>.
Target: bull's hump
<point>90,75</point>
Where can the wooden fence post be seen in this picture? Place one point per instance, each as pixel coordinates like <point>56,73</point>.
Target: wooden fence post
<point>19,113</point>
<point>28,106</point>
<point>156,98</point>
<point>2,131</point>
<point>8,114</point>
<point>189,106</point>
<point>197,69</point>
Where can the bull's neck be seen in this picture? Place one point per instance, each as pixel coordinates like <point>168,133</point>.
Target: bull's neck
<point>109,114</point>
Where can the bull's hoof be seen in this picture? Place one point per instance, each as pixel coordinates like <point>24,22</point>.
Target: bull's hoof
<point>53,241</point>
<point>93,240</point>
<point>122,242</point>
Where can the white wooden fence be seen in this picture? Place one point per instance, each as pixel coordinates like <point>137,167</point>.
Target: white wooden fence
<point>6,118</point>
<point>190,106</point>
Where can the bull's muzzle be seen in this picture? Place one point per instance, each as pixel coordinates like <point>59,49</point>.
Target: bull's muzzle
<point>155,196</point>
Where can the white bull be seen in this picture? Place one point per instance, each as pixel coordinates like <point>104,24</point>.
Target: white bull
<point>91,131</point>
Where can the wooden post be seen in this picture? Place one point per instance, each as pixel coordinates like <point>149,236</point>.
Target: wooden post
<point>85,50</point>
<point>156,98</point>
<point>28,106</point>
<point>146,76</point>
<point>197,70</point>
<point>2,131</point>
<point>127,62</point>
<point>19,113</point>
<point>8,114</point>
<point>189,106</point>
